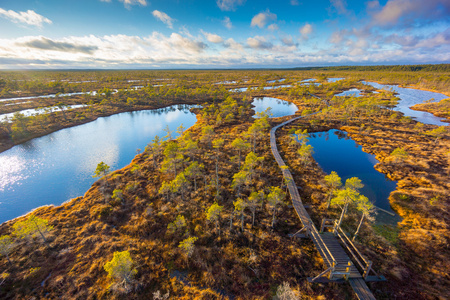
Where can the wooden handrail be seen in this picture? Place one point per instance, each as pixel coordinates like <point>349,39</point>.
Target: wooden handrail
<point>322,245</point>
<point>343,238</point>
<point>350,250</point>
<point>299,208</point>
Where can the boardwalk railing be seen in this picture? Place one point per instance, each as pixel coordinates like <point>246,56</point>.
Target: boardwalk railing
<point>335,270</point>
<point>363,263</point>
<point>303,215</point>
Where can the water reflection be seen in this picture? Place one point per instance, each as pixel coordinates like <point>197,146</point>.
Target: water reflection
<point>59,166</point>
<point>334,79</point>
<point>279,108</point>
<point>276,80</point>
<point>39,111</point>
<point>43,96</point>
<point>410,97</point>
<point>335,151</point>
<point>350,93</point>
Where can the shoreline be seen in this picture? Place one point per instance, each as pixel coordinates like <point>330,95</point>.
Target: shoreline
<point>5,147</point>
<point>69,201</point>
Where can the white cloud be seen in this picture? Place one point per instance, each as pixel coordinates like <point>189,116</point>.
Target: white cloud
<point>227,23</point>
<point>128,3</point>
<point>295,2</point>
<point>44,43</point>
<point>288,41</point>
<point>233,45</point>
<point>163,17</point>
<point>340,6</point>
<point>263,18</point>
<point>229,5</point>
<point>273,27</point>
<point>407,11</point>
<point>259,42</point>
<point>440,39</point>
<point>306,30</point>
<point>213,38</point>
<point>158,50</point>
<point>337,37</point>
<point>29,17</point>
<point>176,43</point>
<point>109,50</point>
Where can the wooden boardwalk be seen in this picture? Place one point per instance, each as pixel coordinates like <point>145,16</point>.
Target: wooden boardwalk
<point>339,265</point>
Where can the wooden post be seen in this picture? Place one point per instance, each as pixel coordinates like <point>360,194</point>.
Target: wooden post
<point>330,276</point>
<point>322,226</point>
<point>335,227</point>
<point>323,273</point>
<point>347,270</point>
<point>367,270</point>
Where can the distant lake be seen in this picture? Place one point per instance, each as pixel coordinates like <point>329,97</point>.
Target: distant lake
<point>59,166</point>
<point>410,97</point>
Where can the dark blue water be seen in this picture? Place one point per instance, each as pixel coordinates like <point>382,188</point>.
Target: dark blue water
<point>279,108</point>
<point>59,166</point>
<point>334,151</point>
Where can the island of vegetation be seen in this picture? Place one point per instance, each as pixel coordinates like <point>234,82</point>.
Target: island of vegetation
<point>210,215</point>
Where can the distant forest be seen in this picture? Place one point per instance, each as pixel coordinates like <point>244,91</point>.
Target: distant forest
<point>396,68</point>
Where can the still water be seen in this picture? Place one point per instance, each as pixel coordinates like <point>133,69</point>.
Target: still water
<point>38,111</point>
<point>59,166</point>
<point>410,97</point>
<point>335,151</point>
<point>350,93</point>
<point>334,79</point>
<point>279,108</point>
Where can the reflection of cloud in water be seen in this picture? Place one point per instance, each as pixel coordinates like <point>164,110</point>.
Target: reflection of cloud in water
<point>59,166</point>
<point>11,170</point>
<point>173,116</point>
<point>153,129</point>
<point>279,108</point>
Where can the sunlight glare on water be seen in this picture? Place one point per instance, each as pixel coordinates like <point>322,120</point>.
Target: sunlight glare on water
<point>59,166</point>
<point>11,171</point>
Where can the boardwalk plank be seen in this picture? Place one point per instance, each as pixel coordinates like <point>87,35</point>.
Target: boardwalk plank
<point>327,244</point>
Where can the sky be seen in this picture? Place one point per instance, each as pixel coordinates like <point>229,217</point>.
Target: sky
<point>203,34</point>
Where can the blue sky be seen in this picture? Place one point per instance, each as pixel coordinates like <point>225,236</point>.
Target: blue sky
<point>221,33</point>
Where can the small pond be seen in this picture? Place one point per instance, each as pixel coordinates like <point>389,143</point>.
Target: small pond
<point>310,81</point>
<point>279,108</point>
<point>43,96</point>
<point>350,93</point>
<point>276,80</point>
<point>239,90</point>
<point>277,87</point>
<point>335,151</point>
<point>226,82</point>
<point>244,89</point>
<point>410,97</point>
<point>38,111</point>
<point>334,79</point>
<point>59,166</point>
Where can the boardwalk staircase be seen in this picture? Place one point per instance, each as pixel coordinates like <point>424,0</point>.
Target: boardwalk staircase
<point>334,247</point>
